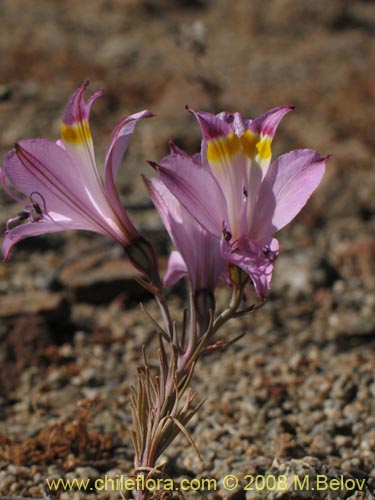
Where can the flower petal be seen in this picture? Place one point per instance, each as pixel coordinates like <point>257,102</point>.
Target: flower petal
<point>267,123</point>
<point>212,126</point>
<point>76,134</point>
<point>237,175</point>
<point>41,167</point>
<point>174,149</point>
<point>77,111</point>
<point>116,148</point>
<point>18,233</point>
<point>236,120</point>
<point>258,138</point>
<point>199,249</point>
<point>237,157</point>
<point>176,269</point>
<point>46,174</point>
<point>177,221</point>
<point>289,183</point>
<point>253,259</point>
<point>196,189</point>
<point>118,143</point>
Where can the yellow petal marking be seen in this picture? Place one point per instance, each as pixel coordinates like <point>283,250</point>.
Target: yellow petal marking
<point>264,149</point>
<point>249,142</point>
<point>256,146</point>
<point>78,133</point>
<point>252,145</point>
<point>224,148</point>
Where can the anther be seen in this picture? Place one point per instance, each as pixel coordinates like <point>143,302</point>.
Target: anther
<point>36,205</point>
<point>23,215</point>
<point>227,235</point>
<point>37,208</point>
<point>266,251</point>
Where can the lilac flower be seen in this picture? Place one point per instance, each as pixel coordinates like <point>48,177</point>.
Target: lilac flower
<point>198,251</point>
<point>236,194</point>
<point>61,182</point>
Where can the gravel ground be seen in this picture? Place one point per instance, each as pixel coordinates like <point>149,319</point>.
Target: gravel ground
<point>295,396</point>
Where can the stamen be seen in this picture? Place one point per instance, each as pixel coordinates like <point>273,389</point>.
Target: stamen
<point>23,215</point>
<point>37,208</point>
<point>26,213</point>
<point>270,254</point>
<point>227,235</point>
<point>266,251</point>
<point>20,216</point>
<point>36,205</point>
<point>31,211</point>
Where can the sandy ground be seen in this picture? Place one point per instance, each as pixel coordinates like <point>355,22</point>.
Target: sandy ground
<point>296,395</point>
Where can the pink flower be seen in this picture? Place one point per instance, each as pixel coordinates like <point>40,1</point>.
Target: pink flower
<point>198,252</point>
<point>236,194</point>
<point>61,182</point>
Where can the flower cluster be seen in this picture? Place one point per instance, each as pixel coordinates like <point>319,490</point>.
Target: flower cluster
<point>221,207</point>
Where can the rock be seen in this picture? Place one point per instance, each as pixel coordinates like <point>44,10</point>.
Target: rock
<point>301,478</point>
<point>86,473</point>
<point>53,307</point>
<point>97,279</point>
<point>304,272</point>
<point>26,343</point>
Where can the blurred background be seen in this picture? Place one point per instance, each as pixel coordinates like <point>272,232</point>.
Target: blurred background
<point>80,329</point>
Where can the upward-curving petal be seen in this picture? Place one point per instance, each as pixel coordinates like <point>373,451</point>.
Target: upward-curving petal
<point>116,148</point>
<point>267,123</point>
<point>257,139</point>
<point>76,134</point>
<point>212,126</point>
<point>289,183</point>
<point>119,142</point>
<point>77,110</point>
